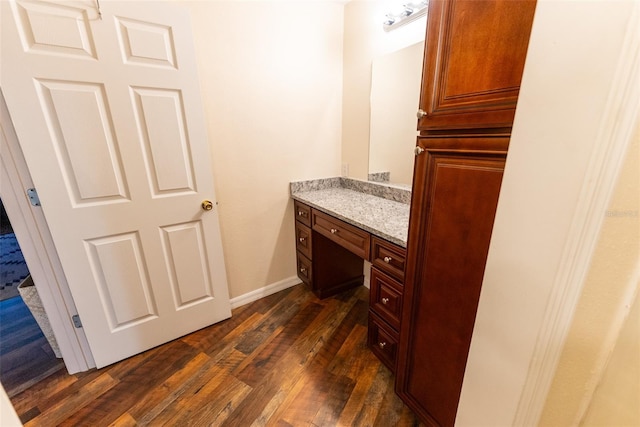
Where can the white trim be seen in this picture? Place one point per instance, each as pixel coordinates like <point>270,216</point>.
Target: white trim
<point>618,123</point>
<point>8,415</point>
<point>264,291</point>
<point>32,232</point>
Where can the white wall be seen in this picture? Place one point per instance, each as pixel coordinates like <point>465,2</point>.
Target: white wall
<point>562,111</point>
<point>271,81</point>
<point>588,389</point>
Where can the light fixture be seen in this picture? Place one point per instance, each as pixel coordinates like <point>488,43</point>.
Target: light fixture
<point>405,14</point>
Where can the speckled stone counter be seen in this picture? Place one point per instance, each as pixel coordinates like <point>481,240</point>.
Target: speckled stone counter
<point>382,210</point>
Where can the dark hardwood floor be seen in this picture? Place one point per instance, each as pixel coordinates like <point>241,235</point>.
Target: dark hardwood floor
<point>25,355</point>
<point>289,359</point>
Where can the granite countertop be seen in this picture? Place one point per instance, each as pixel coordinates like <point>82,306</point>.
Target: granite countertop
<point>382,210</point>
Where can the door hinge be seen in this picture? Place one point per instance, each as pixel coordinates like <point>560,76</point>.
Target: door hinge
<point>33,196</point>
<point>76,321</point>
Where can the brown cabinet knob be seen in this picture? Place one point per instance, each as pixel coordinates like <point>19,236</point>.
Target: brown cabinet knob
<point>382,345</point>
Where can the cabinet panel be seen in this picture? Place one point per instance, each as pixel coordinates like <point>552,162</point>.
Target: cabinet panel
<point>474,57</point>
<point>385,298</point>
<point>383,341</point>
<point>347,236</point>
<point>456,188</point>
<point>302,213</point>
<point>304,269</point>
<point>303,239</point>
<point>388,257</point>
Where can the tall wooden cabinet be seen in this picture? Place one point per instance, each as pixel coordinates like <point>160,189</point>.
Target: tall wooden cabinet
<point>474,58</point>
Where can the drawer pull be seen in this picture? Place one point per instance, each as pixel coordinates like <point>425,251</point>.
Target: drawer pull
<point>303,270</point>
<point>302,239</point>
<point>302,213</point>
<point>385,301</point>
<point>334,231</point>
<point>387,259</point>
<point>382,345</point>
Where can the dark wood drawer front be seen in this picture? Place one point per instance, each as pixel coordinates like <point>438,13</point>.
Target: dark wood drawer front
<point>388,257</point>
<point>303,239</point>
<point>302,213</point>
<point>346,235</point>
<point>382,341</point>
<point>386,298</point>
<point>304,269</point>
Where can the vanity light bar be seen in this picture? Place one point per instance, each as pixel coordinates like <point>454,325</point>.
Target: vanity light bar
<point>409,12</point>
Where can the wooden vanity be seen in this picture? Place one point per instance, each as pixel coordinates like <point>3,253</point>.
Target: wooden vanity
<point>331,252</point>
<point>422,314</point>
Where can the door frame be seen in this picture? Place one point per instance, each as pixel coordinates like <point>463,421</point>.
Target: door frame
<point>36,243</point>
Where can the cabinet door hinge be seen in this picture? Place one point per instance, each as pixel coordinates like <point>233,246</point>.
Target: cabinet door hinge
<point>76,321</point>
<point>33,196</point>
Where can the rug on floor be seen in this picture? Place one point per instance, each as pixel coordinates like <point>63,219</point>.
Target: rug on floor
<point>13,268</point>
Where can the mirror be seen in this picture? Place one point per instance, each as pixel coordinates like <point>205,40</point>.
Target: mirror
<point>395,94</point>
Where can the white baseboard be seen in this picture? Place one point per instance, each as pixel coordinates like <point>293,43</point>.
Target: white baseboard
<point>264,291</point>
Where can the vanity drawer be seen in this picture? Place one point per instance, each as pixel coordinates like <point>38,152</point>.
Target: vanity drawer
<point>382,341</point>
<point>349,237</point>
<point>304,269</point>
<point>385,298</point>
<point>303,239</point>
<point>302,213</point>
<point>388,257</point>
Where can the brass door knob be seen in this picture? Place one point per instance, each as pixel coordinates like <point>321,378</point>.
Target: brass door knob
<point>207,205</point>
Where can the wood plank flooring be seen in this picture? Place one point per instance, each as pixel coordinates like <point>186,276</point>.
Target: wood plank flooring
<point>25,354</point>
<point>289,359</point>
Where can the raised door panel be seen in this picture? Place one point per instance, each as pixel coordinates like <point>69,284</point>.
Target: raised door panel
<point>185,257</point>
<point>162,132</point>
<point>123,280</point>
<point>456,190</point>
<point>86,150</point>
<point>474,57</point>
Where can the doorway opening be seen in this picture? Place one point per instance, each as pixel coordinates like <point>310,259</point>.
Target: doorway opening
<point>26,356</point>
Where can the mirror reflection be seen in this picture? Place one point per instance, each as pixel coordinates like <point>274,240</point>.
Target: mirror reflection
<point>395,94</point>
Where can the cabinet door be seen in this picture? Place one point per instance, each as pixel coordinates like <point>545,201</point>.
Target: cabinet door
<point>474,57</point>
<point>455,194</point>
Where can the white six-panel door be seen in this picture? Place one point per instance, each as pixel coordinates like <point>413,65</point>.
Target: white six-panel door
<point>108,113</point>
